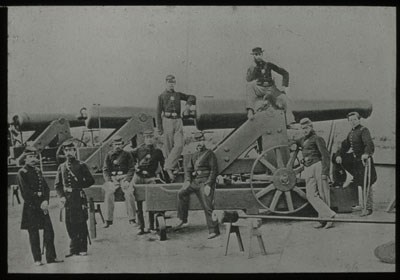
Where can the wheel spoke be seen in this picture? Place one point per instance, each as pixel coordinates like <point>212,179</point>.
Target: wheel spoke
<point>298,169</point>
<point>269,165</point>
<point>263,177</point>
<point>275,200</point>
<point>279,158</point>
<point>289,200</point>
<point>292,159</point>
<point>300,192</point>
<point>265,191</point>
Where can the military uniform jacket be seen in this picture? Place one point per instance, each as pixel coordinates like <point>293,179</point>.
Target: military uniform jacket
<point>147,158</point>
<point>254,73</point>
<point>359,141</point>
<point>118,162</point>
<point>34,190</point>
<point>314,150</point>
<point>202,164</point>
<point>170,102</point>
<point>73,176</point>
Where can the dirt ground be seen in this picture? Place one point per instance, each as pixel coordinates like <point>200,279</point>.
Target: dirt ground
<point>291,247</point>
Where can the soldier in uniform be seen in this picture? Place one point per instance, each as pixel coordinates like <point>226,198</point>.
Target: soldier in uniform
<point>147,159</point>
<point>261,88</point>
<point>35,213</point>
<point>353,154</point>
<point>118,169</point>
<point>201,171</point>
<point>316,171</point>
<point>72,177</point>
<point>169,123</point>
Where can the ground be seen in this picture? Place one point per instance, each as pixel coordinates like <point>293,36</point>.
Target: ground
<point>291,247</point>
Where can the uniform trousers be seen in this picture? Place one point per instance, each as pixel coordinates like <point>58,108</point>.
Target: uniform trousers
<point>317,191</point>
<point>207,202</point>
<point>357,169</point>
<point>141,180</point>
<point>173,142</point>
<point>109,201</point>
<point>77,232</point>
<point>256,97</point>
<point>48,240</point>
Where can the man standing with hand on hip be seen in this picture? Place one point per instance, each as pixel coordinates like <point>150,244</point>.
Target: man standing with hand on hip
<point>316,171</point>
<point>169,123</point>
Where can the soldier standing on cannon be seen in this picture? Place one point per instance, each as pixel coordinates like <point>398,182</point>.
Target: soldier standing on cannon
<point>169,123</point>
<point>35,213</point>
<point>261,90</point>
<point>354,153</point>
<point>316,172</point>
<point>118,169</point>
<point>147,159</point>
<point>72,177</point>
<point>201,171</point>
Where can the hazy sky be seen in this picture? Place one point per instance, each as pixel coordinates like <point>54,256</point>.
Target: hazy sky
<point>64,58</point>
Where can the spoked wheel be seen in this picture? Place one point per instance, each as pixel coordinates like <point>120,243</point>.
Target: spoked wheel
<point>281,191</point>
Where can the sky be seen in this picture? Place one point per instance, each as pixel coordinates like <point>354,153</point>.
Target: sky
<point>63,58</point>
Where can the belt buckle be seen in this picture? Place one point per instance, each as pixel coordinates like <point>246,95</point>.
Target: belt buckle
<point>113,173</point>
<point>174,115</point>
<point>120,173</point>
<point>167,114</point>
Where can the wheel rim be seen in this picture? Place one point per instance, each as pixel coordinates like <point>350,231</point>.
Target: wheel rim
<point>280,192</point>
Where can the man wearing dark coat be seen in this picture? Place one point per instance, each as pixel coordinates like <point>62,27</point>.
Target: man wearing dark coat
<point>201,172</point>
<point>72,177</point>
<point>353,154</point>
<point>35,213</point>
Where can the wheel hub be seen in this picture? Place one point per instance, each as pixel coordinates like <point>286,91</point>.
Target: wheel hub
<point>284,179</point>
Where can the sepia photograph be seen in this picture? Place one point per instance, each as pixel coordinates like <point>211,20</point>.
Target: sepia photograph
<point>201,139</point>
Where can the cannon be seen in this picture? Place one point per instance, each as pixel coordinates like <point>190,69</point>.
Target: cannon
<point>274,176</point>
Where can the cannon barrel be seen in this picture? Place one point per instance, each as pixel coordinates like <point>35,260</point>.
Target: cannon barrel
<point>222,113</point>
<point>35,121</point>
<point>115,117</point>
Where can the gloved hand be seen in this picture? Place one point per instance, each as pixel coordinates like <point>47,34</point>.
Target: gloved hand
<point>339,160</point>
<point>364,158</point>
<point>207,190</point>
<point>124,185</point>
<point>62,202</point>
<point>45,207</point>
<point>186,185</point>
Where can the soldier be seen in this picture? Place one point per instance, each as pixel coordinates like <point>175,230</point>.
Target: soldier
<point>35,213</point>
<point>261,88</point>
<point>147,160</point>
<point>118,169</point>
<point>353,154</point>
<point>316,171</point>
<point>169,123</point>
<point>201,171</point>
<point>72,177</point>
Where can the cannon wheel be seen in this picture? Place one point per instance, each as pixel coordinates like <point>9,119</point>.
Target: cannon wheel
<point>162,227</point>
<point>281,178</point>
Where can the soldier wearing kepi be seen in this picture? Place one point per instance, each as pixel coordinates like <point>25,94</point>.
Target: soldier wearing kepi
<point>118,169</point>
<point>316,171</point>
<point>147,161</point>
<point>261,88</point>
<point>169,123</point>
<point>72,177</point>
<point>201,171</point>
<point>35,213</point>
<point>353,154</point>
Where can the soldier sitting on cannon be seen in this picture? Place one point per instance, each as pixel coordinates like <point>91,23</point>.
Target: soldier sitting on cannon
<point>118,170</point>
<point>201,171</point>
<point>72,177</point>
<point>355,151</point>
<point>261,90</point>
<point>147,159</point>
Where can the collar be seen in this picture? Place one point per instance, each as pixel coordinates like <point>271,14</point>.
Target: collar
<point>169,91</point>
<point>357,127</point>
<point>260,63</point>
<point>117,152</point>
